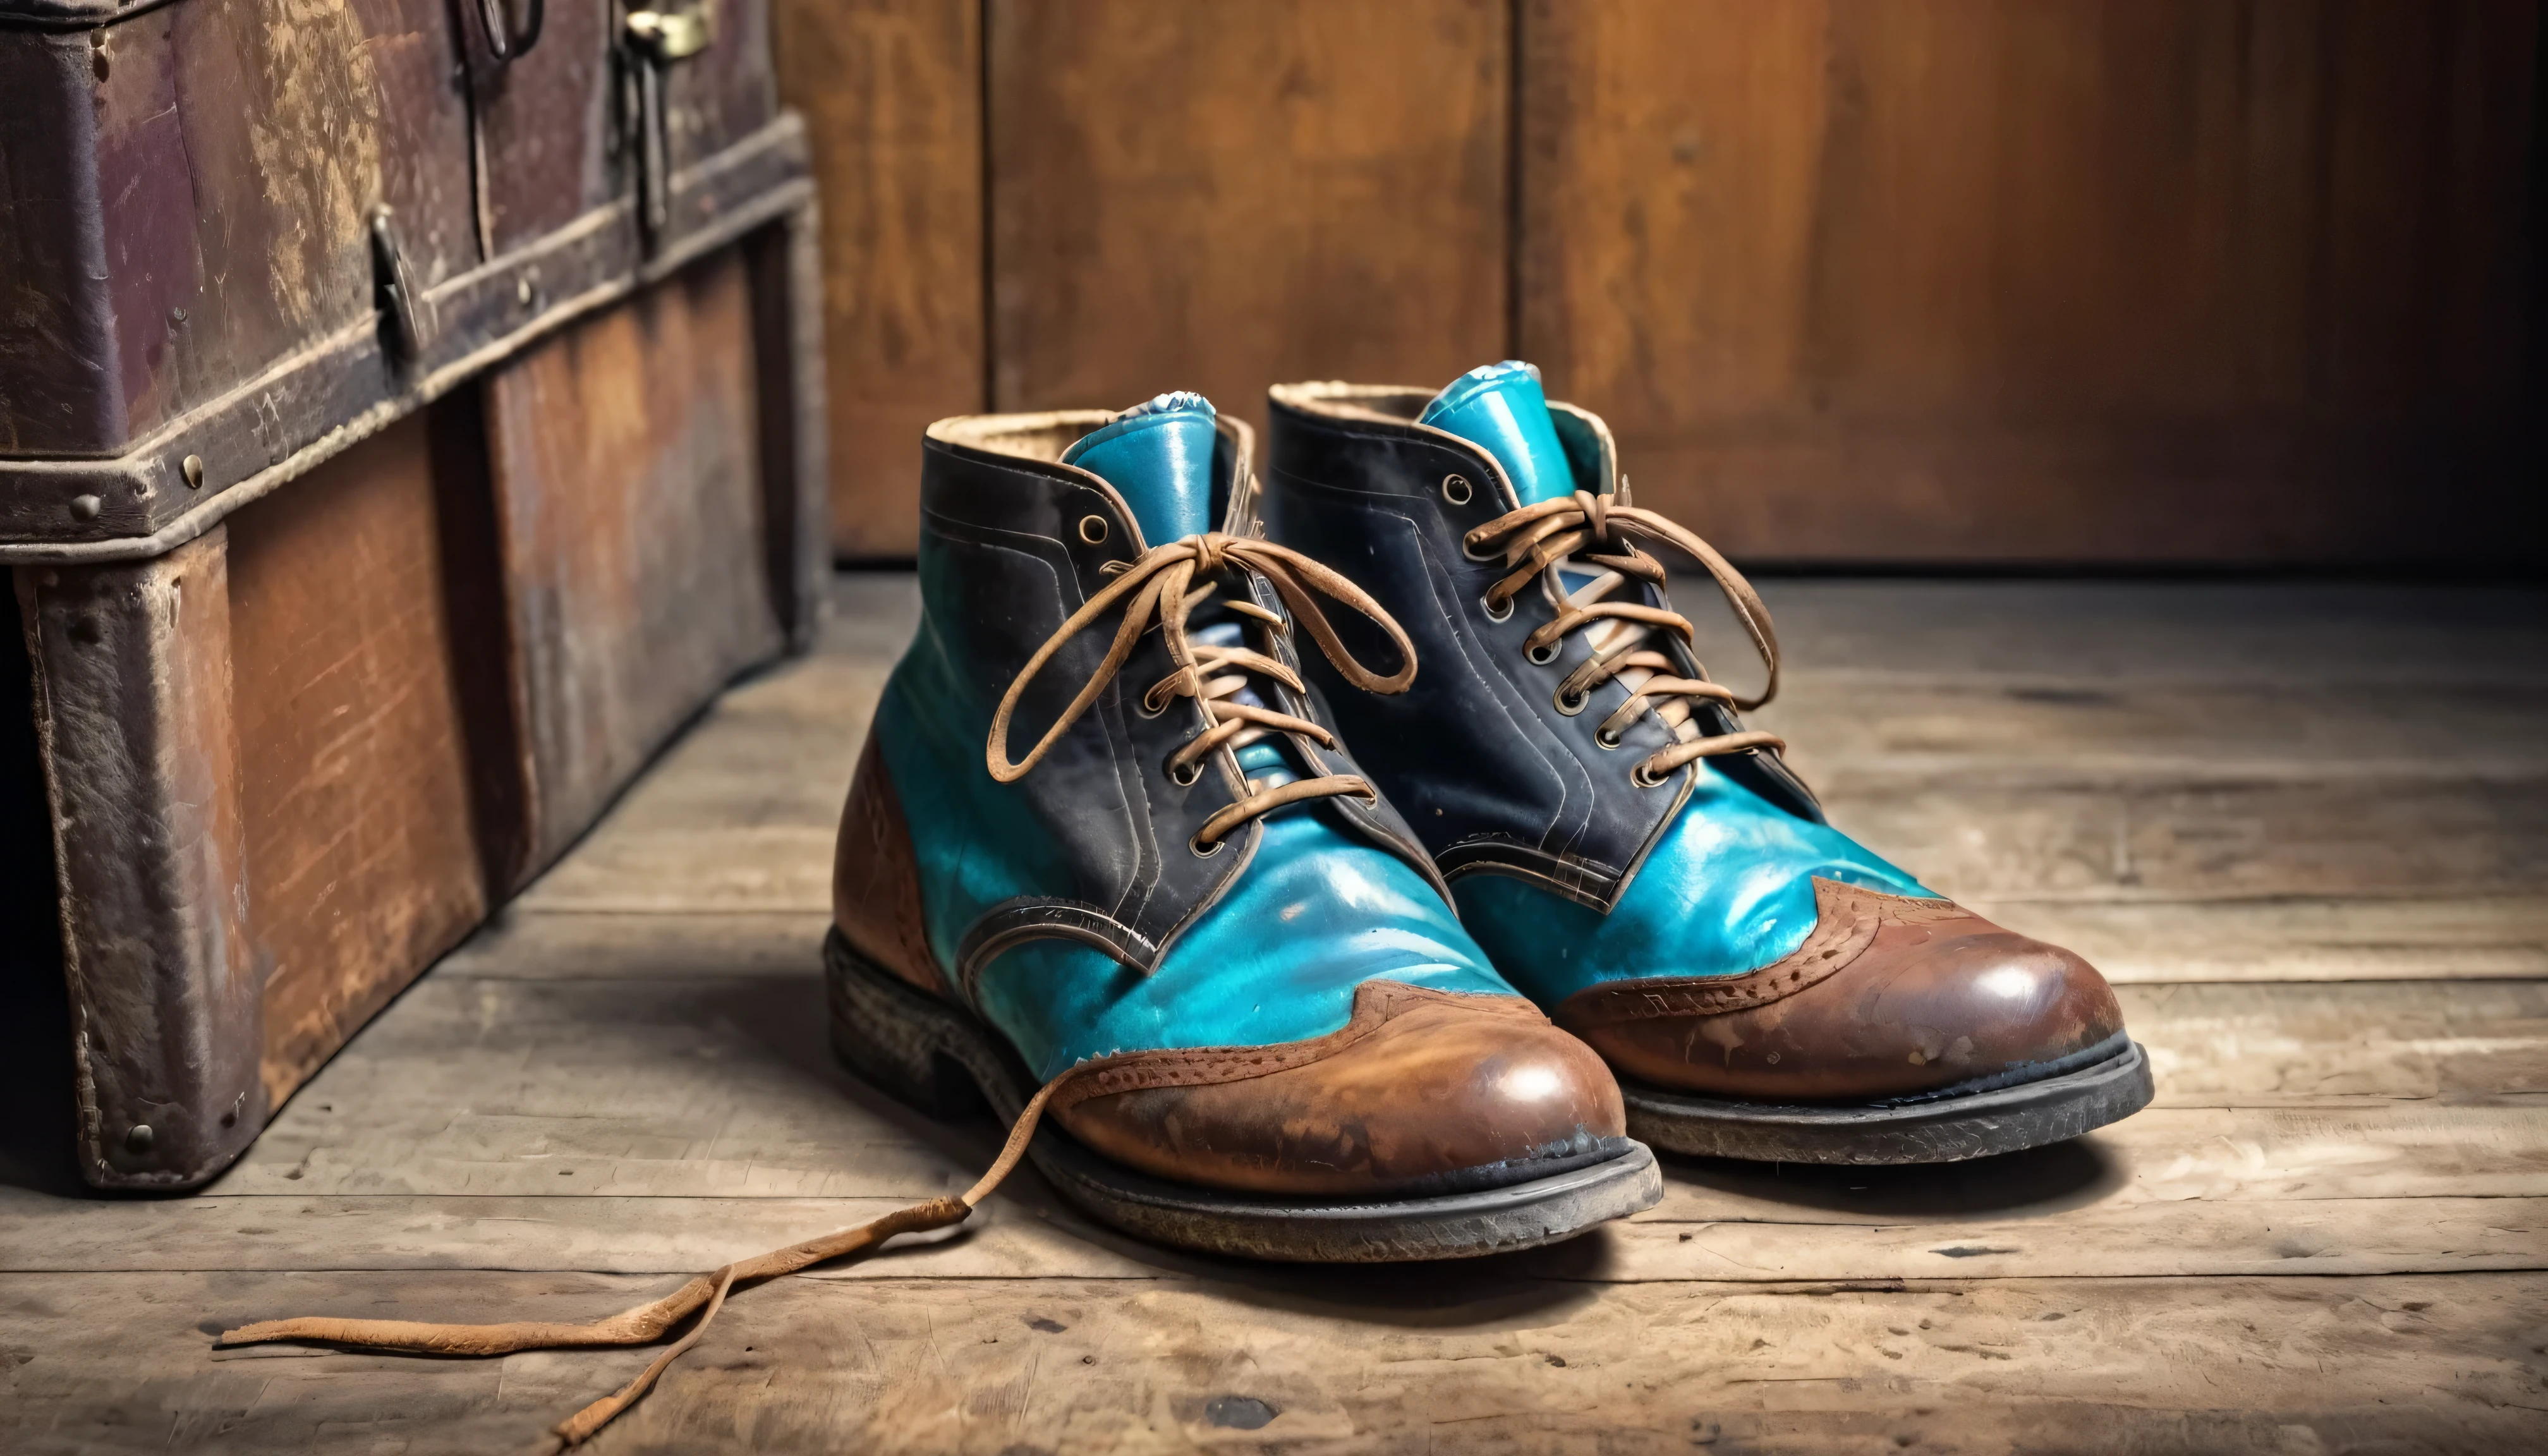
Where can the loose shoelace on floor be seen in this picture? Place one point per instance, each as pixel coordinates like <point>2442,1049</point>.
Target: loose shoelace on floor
<point>1160,585</point>
<point>1536,538</point>
<point>647,1322</point>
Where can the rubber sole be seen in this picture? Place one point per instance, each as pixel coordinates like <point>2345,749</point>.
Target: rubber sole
<point>921,1051</point>
<point>1940,1128</point>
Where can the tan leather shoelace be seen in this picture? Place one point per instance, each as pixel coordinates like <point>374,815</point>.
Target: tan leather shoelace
<point>1536,538</point>
<point>1160,586</point>
<point>648,1322</point>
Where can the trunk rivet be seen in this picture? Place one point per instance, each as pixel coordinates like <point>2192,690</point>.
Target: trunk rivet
<point>86,507</point>
<point>193,469</point>
<point>139,1138</point>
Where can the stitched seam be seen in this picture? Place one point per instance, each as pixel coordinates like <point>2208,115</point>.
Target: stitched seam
<point>1848,916</point>
<point>1376,1004</point>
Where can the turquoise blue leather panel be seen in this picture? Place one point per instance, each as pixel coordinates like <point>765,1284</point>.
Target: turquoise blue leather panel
<point>1502,407</point>
<point>1316,912</point>
<point>976,843</point>
<point>1277,960</point>
<point>1727,888</point>
<point>1158,456</point>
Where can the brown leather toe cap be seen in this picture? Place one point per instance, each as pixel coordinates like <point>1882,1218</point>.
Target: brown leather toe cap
<point>1421,1091</point>
<point>1887,997</point>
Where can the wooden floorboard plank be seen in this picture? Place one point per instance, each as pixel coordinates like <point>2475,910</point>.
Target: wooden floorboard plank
<point>2272,1044</point>
<point>1418,1363</point>
<point>2437,938</point>
<point>2121,634</point>
<point>1842,724</point>
<point>678,946</point>
<point>1035,1236</point>
<point>2125,840</point>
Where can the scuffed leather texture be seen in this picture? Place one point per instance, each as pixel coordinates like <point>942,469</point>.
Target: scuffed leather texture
<point>1067,908</point>
<point>875,887</point>
<point>1276,959</point>
<point>1476,753</point>
<point>1420,1091</point>
<point>1728,888</point>
<point>1887,997</point>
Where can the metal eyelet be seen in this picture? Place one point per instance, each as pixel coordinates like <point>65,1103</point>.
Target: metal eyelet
<point>1643,780</point>
<point>1606,739</point>
<point>1542,659</point>
<point>1569,706</point>
<point>1457,490</point>
<point>1142,707</point>
<point>1494,615</point>
<point>1092,529</point>
<point>1184,777</point>
<point>1203,852</point>
<point>1470,552</point>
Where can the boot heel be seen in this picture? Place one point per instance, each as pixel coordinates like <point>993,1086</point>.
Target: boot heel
<point>894,1038</point>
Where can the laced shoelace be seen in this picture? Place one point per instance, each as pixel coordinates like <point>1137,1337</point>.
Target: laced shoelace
<point>1210,673</point>
<point>1160,586</point>
<point>1535,539</point>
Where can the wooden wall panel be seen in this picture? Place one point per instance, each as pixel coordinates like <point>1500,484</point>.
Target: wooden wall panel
<point>1220,199</point>
<point>353,762</point>
<point>2109,280</point>
<point>631,527</point>
<point>891,92</point>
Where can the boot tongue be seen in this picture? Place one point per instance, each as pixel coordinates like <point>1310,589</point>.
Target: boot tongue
<point>1501,409</point>
<point>1157,455</point>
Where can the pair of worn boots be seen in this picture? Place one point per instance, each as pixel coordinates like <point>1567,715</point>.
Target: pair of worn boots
<point>1357,863</point>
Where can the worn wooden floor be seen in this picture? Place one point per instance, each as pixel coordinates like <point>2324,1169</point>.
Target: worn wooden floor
<point>2306,827</point>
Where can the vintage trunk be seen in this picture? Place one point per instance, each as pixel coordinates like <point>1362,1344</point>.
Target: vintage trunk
<point>410,416</point>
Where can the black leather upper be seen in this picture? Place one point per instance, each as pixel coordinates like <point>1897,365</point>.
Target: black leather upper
<point>1004,564</point>
<point>1476,755</point>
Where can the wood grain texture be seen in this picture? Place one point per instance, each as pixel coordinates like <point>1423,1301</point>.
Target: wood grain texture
<point>1038,1238</point>
<point>1303,189</point>
<point>1430,1361</point>
<point>633,534</point>
<point>1971,280</point>
<point>892,91</point>
<point>354,758</point>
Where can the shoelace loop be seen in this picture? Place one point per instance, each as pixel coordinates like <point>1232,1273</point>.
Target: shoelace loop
<point>1160,586</point>
<point>1535,538</point>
